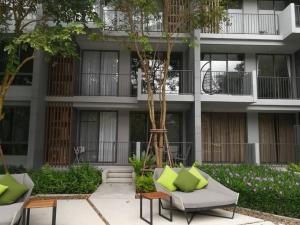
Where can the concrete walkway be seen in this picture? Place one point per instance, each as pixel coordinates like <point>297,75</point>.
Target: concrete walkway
<point>117,204</point>
<point>69,212</point>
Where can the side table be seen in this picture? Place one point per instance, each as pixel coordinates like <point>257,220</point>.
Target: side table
<point>156,195</point>
<point>39,203</point>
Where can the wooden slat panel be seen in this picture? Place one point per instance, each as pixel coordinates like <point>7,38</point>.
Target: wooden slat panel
<point>59,141</point>
<point>61,77</point>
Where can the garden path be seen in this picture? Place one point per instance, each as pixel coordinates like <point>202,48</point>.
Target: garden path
<point>117,204</point>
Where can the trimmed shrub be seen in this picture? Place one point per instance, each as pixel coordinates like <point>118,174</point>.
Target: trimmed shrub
<point>261,188</point>
<point>77,180</point>
<point>144,184</point>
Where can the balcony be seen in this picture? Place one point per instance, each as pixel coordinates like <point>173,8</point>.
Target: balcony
<point>278,87</point>
<point>227,86</point>
<point>289,20</point>
<point>179,85</point>
<point>243,23</point>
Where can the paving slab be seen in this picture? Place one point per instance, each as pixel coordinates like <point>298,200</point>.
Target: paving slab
<point>69,212</point>
<point>117,204</point>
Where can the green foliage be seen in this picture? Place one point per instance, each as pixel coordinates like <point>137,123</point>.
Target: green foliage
<point>294,167</point>
<point>261,188</point>
<point>70,11</point>
<point>77,180</point>
<point>138,164</point>
<point>144,184</point>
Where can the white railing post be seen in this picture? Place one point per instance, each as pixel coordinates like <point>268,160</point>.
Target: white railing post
<point>256,154</point>
<point>254,86</point>
<point>138,150</point>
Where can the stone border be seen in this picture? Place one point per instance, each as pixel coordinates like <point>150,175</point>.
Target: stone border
<point>61,196</point>
<point>277,219</point>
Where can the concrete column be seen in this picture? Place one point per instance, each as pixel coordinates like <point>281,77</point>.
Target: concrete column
<point>197,94</point>
<point>35,155</point>
<point>253,134</point>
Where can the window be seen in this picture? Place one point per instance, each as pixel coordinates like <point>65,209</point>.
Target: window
<point>100,70</point>
<point>14,130</point>
<point>140,125</point>
<point>98,134</point>
<point>222,62</point>
<point>24,77</point>
<point>274,76</point>
<point>272,5</point>
<point>273,65</point>
<point>173,82</point>
<point>237,4</point>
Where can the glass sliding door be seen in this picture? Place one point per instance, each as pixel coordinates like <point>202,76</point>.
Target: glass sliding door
<point>90,79</point>
<point>99,76</point>
<point>274,76</point>
<point>109,74</point>
<point>107,136</point>
<point>98,134</point>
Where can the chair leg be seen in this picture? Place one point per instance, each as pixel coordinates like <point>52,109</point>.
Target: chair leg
<point>233,213</point>
<point>189,218</point>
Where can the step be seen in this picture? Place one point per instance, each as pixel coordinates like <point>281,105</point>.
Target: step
<point>119,180</point>
<point>120,170</point>
<point>119,175</point>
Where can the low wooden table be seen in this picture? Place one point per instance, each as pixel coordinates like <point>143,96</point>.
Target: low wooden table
<point>156,195</point>
<point>39,203</point>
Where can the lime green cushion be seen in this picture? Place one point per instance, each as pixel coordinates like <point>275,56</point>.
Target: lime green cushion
<point>203,182</point>
<point>186,181</point>
<point>167,179</point>
<point>3,188</point>
<point>14,192</point>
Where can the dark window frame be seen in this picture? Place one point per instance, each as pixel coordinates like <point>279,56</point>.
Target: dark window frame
<point>10,145</point>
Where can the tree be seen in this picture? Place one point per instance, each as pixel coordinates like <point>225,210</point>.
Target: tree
<point>176,16</point>
<point>42,25</point>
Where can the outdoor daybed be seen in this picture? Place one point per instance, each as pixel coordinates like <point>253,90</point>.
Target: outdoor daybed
<point>11,214</point>
<point>213,196</point>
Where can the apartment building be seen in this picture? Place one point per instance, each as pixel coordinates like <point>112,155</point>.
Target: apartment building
<point>235,98</point>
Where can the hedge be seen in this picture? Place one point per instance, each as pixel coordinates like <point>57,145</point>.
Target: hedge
<point>83,179</point>
<point>261,188</point>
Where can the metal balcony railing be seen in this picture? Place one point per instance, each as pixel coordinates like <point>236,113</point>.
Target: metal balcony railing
<point>228,153</point>
<point>179,82</point>
<point>98,84</point>
<point>278,87</point>
<point>297,14</point>
<point>227,83</point>
<point>243,23</point>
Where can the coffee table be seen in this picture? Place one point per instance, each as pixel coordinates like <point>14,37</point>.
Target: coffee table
<point>39,203</point>
<point>152,196</point>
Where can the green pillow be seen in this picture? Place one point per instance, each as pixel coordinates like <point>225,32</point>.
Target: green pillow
<point>167,179</point>
<point>203,182</point>
<point>2,189</point>
<point>14,192</point>
<point>186,181</point>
